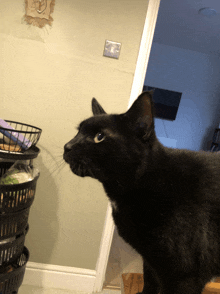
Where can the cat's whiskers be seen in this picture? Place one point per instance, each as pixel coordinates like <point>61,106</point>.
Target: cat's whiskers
<point>59,167</point>
<point>53,161</point>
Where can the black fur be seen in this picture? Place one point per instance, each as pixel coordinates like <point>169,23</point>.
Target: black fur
<point>166,201</point>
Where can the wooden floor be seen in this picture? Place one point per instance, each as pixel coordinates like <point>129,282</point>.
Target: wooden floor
<point>213,287</point>
<point>26,289</point>
<point>134,283</point>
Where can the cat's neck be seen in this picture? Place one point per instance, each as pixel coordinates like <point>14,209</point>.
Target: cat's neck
<point>165,174</point>
<point>135,180</point>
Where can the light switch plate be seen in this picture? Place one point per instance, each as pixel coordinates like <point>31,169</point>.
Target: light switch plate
<point>112,49</point>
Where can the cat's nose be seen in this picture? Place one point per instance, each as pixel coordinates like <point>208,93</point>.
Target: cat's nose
<point>70,145</point>
<point>67,147</point>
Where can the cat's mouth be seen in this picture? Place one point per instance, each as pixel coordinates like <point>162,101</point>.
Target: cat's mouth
<point>80,169</point>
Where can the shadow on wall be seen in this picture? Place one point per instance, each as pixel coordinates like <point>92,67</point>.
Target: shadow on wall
<point>44,225</point>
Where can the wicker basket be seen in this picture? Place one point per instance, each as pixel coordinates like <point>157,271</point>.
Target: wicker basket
<point>11,249</point>
<point>12,224</point>
<point>12,277</point>
<point>18,196</point>
<point>27,133</point>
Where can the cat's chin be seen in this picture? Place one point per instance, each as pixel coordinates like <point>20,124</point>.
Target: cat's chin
<point>82,171</point>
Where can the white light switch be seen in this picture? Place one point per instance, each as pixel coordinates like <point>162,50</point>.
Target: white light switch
<point>112,49</point>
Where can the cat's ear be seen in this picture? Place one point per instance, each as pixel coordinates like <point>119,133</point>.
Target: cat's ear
<point>97,108</point>
<point>140,114</point>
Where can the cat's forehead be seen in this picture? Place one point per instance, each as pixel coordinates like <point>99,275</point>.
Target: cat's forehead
<point>98,122</point>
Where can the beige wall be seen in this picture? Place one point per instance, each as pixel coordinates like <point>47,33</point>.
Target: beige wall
<point>48,77</point>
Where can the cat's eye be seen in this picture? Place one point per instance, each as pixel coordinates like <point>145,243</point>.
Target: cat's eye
<point>99,137</point>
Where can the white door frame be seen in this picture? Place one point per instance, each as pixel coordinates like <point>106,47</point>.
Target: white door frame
<point>137,86</point>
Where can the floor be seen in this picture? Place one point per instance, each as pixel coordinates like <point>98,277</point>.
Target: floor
<point>24,289</point>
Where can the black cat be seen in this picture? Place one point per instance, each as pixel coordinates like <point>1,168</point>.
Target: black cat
<point>166,202</point>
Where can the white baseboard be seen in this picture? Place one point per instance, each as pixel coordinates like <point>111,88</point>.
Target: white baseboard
<point>59,277</point>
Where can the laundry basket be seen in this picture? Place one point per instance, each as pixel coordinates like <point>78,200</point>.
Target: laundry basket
<point>11,249</point>
<point>12,224</point>
<point>17,142</point>
<point>18,137</point>
<point>18,196</point>
<point>11,278</point>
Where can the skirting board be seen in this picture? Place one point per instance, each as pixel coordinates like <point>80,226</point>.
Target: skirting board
<point>59,277</point>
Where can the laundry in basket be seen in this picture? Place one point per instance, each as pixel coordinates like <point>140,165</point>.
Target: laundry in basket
<point>19,172</point>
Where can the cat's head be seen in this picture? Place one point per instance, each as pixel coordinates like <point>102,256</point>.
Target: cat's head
<point>107,147</point>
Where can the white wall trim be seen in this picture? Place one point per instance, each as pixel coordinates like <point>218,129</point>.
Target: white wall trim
<point>59,277</point>
<point>145,48</point>
<point>104,250</point>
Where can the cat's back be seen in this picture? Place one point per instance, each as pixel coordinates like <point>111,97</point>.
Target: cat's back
<point>199,169</point>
